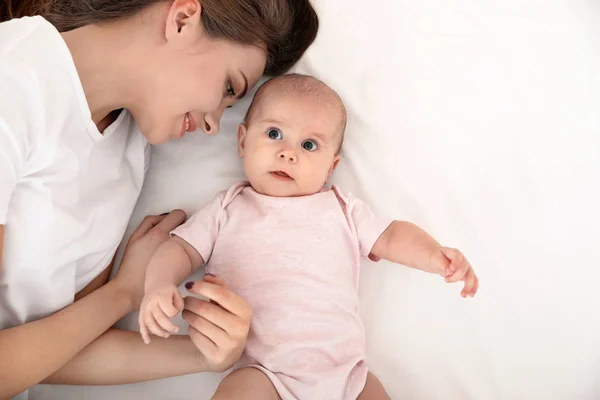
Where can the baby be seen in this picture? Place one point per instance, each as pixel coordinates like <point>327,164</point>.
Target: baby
<point>291,248</point>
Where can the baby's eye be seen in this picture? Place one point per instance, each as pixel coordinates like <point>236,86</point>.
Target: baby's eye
<point>310,145</point>
<point>275,134</point>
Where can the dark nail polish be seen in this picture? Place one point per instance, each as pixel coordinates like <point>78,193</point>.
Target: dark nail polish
<point>189,285</point>
<point>163,214</point>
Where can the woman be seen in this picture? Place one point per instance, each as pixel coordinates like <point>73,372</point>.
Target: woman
<point>85,88</point>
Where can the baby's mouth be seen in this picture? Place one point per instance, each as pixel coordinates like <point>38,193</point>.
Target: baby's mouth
<point>281,175</point>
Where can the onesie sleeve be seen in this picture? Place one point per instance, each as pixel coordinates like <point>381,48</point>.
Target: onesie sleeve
<point>19,109</point>
<point>202,228</point>
<point>369,226</point>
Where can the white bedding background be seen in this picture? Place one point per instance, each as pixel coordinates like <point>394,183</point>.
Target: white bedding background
<point>480,121</point>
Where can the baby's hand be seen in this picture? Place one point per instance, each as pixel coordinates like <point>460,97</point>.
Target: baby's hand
<point>156,311</point>
<point>454,267</point>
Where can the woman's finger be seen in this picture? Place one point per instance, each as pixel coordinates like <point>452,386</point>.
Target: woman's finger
<point>216,279</point>
<point>374,258</point>
<point>171,221</point>
<point>204,344</point>
<point>147,224</point>
<point>216,314</point>
<point>217,335</point>
<point>222,296</point>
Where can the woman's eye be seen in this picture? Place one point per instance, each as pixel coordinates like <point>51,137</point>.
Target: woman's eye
<point>230,91</point>
<point>274,134</point>
<point>310,145</point>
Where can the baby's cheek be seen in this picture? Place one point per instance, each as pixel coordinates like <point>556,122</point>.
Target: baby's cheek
<point>319,175</point>
<point>326,167</point>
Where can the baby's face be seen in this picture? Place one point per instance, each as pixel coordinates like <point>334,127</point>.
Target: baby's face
<point>290,144</point>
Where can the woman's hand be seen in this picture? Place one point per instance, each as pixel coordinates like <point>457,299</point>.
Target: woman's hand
<point>152,232</point>
<point>218,327</point>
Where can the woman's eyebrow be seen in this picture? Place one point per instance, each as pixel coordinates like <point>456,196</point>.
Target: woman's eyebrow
<point>243,92</point>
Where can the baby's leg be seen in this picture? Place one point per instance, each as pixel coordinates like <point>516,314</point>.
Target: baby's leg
<point>373,390</point>
<point>246,383</point>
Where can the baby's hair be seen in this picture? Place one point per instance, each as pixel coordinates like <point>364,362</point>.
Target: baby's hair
<point>303,84</point>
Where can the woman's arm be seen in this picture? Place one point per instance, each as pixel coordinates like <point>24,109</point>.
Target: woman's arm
<point>35,350</point>
<point>109,360</point>
<point>57,349</point>
<point>31,352</point>
<point>97,282</point>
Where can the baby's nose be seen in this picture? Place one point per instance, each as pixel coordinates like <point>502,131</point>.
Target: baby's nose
<point>288,155</point>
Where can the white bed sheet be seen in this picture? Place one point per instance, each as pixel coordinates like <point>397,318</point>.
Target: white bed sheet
<point>479,121</point>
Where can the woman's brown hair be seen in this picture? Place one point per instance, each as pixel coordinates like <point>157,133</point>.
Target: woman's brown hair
<point>286,27</point>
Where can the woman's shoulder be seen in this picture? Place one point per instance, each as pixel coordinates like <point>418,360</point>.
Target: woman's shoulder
<point>19,68</point>
<point>20,100</point>
<point>15,32</point>
<point>32,48</point>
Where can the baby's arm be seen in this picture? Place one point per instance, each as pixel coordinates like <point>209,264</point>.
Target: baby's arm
<point>407,244</point>
<point>170,265</point>
<point>174,260</point>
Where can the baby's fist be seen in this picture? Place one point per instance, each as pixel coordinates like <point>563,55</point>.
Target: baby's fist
<point>156,311</point>
<point>459,269</point>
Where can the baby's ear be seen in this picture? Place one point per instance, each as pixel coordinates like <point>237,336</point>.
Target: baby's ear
<point>335,163</point>
<point>242,129</point>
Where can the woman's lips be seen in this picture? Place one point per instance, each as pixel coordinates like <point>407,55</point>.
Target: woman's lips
<point>189,124</point>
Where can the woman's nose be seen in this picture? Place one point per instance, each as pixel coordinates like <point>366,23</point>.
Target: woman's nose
<point>288,155</point>
<point>212,122</point>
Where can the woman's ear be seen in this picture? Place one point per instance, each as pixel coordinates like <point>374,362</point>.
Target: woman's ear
<point>242,129</point>
<point>183,19</point>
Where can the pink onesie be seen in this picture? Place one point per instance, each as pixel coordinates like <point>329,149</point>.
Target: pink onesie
<point>295,260</point>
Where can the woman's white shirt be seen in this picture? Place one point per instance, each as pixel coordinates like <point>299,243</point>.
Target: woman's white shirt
<point>66,190</point>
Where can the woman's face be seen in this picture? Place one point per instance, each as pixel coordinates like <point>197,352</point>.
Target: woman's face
<point>190,78</point>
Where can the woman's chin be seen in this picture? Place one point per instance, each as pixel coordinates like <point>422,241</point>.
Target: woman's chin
<point>155,137</point>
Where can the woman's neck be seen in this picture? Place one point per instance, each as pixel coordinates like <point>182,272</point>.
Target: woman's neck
<point>103,64</point>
